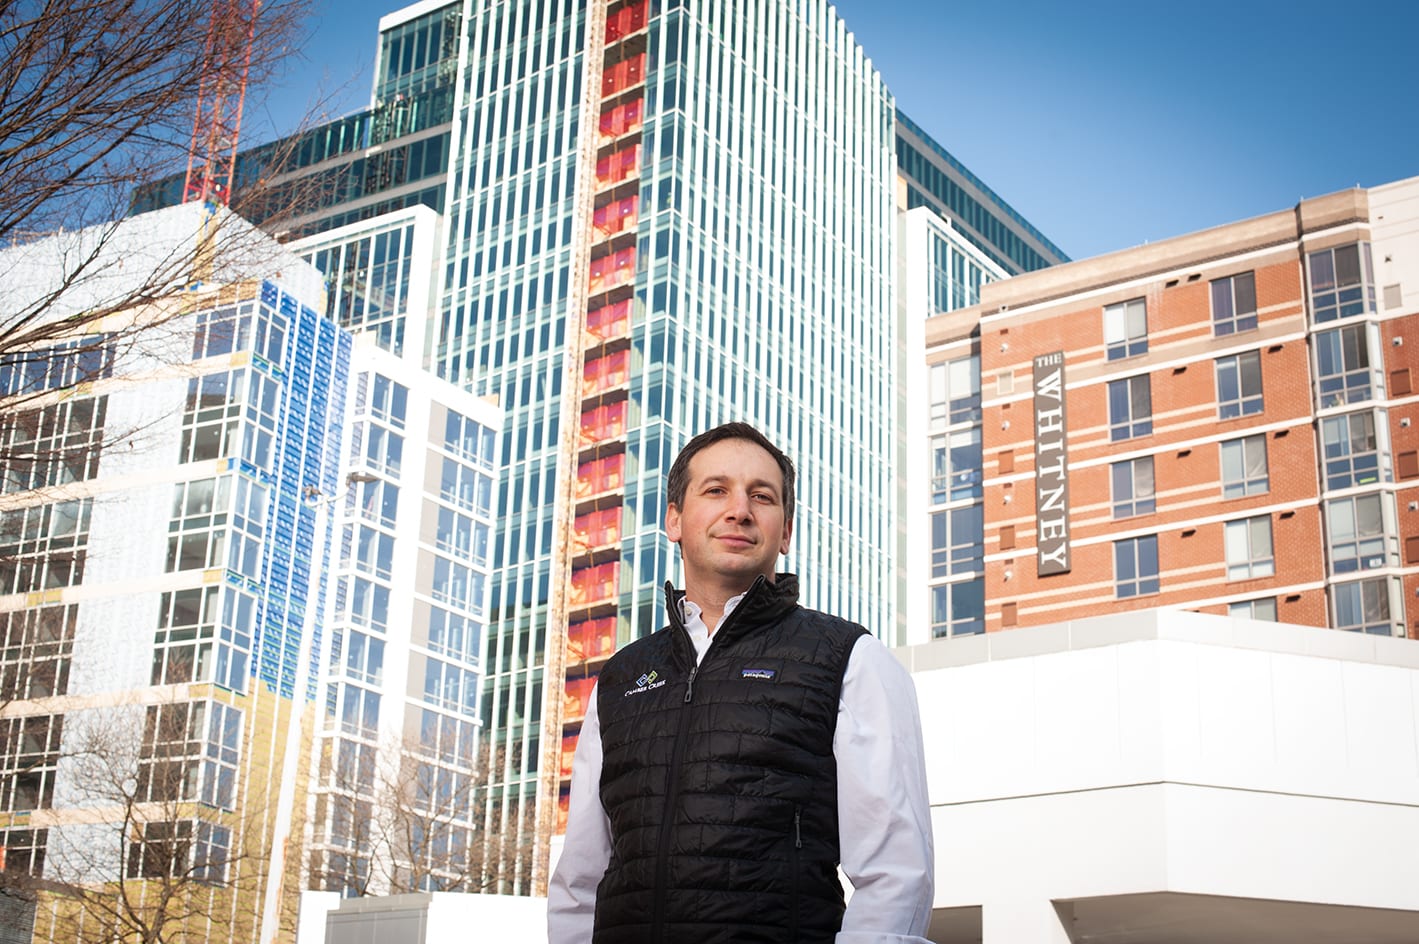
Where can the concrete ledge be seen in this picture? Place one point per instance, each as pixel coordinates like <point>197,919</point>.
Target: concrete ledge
<point>1160,624</point>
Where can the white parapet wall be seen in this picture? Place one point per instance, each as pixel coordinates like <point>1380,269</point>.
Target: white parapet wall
<point>421,918</point>
<point>1172,777</point>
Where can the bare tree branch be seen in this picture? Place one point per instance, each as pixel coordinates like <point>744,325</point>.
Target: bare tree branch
<point>409,821</point>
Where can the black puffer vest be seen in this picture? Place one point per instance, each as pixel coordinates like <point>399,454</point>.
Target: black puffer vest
<point>720,782</point>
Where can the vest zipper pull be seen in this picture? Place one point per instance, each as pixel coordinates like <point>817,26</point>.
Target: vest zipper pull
<point>797,829</point>
<point>690,684</point>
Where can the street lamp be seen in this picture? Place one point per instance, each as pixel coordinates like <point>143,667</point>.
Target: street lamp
<point>295,721</point>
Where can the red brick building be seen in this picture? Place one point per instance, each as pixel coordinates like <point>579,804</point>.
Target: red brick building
<point>1221,422</point>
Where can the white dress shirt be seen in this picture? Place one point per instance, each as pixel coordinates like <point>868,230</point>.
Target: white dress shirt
<point>884,822</point>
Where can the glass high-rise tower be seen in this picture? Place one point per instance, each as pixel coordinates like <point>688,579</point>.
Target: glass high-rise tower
<point>662,216</point>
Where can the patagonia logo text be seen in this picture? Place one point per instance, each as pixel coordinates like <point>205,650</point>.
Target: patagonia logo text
<point>645,683</point>
<point>758,673</point>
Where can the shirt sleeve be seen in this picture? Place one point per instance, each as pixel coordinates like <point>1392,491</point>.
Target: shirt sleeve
<point>884,817</point>
<point>571,895</point>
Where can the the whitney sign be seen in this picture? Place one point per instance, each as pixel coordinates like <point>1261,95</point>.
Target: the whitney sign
<point>1051,466</point>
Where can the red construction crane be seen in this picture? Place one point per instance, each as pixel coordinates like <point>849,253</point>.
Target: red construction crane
<point>211,158</point>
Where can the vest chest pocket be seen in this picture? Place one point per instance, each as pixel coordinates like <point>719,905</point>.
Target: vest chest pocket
<point>744,680</point>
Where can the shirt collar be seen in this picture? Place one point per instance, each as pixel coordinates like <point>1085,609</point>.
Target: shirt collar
<point>700,634</point>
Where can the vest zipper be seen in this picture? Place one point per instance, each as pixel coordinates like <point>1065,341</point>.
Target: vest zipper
<point>797,868</point>
<point>672,793</point>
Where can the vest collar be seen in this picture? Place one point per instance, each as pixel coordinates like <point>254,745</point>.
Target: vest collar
<point>765,603</point>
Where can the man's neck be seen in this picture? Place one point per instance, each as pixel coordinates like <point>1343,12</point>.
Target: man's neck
<point>712,600</point>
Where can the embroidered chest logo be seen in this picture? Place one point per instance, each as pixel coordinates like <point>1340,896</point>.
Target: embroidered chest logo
<point>757,673</point>
<point>645,683</point>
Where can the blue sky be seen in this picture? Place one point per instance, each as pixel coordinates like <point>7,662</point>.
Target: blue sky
<point>1105,123</point>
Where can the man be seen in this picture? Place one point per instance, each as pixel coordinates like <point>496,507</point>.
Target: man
<point>731,761</point>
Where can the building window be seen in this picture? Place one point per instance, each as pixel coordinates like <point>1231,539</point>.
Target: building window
<point>458,585</point>
<point>369,603</point>
<point>363,657</point>
<point>467,538</point>
<point>447,738</point>
<point>1133,487</point>
<point>1342,284</point>
<point>234,647</point>
<point>162,850</point>
<point>43,547</point>
<point>955,392</point>
<point>389,401</point>
<point>374,550</point>
<point>1263,609</point>
<point>193,645</point>
<point>29,760</point>
<point>22,850</point>
<point>1136,566</point>
<point>197,530</point>
<point>467,488</point>
<point>187,627</point>
<point>238,327</point>
<point>63,366</point>
<point>1357,535</point>
<point>450,686</point>
<point>211,420</point>
<point>1130,408</point>
<point>454,635</point>
<point>958,609</point>
<point>1343,365</point>
<point>957,541</point>
<point>262,417</point>
<point>956,465</point>
<point>1352,452</point>
<point>358,711</point>
<point>190,752</point>
<point>248,518</point>
<point>52,445</point>
<point>384,449</point>
<point>1248,547</point>
<point>211,853</point>
<point>1239,385</point>
<point>1126,329</point>
<point>38,647</point>
<point>470,439</point>
<point>348,765</point>
<point>379,501</point>
<point>1362,606</point>
<point>1244,467</point>
<point>1234,304</point>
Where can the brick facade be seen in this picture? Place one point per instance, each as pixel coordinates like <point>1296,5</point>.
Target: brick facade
<point>1063,310</point>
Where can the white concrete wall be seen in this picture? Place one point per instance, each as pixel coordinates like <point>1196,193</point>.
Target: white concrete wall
<point>448,918</point>
<point>1163,751</point>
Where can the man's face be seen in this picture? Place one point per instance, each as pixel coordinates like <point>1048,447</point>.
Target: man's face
<point>730,526</point>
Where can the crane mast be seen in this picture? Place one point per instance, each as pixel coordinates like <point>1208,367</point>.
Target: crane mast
<point>211,157</point>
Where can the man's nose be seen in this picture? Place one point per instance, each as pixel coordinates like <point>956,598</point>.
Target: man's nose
<point>740,508</point>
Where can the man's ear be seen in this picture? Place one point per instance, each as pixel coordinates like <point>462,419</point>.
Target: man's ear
<point>787,533</point>
<point>672,523</point>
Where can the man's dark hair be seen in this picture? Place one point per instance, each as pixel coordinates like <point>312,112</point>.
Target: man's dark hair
<point>680,472</point>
